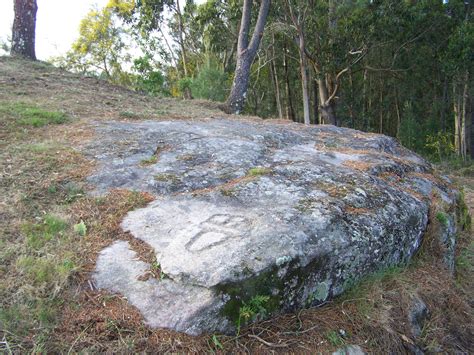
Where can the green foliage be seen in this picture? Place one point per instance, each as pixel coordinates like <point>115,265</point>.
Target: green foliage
<point>258,171</point>
<point>464,217</point>
<point>149,79</point>
<point>157,270</point>
<point>410,133</point>
<point>210,84</point>
<point>100,49</point>
<point>460,54</point>
<point>442,218</point>
<point>184,84</point>
<point>440,146</point>
<point>31,115</point>
<point>252,310</point>
<point>216,342</point>
<point>80,228</point>
<point>149,161</point>
<point>334,338</point>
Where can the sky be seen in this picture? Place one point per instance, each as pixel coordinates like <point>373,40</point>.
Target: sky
<point>57,23</point>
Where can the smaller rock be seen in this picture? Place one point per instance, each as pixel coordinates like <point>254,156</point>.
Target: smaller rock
<point>447,237</point>
<point>417,315</point>
<point>350,350</point>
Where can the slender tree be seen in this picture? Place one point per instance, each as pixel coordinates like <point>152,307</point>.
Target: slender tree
<point>298,23</point>
<point>246,52</point>
<point>24,26</point>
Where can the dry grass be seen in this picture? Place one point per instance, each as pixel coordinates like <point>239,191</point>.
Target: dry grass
<point>48,304</point>
<point>358,165</point>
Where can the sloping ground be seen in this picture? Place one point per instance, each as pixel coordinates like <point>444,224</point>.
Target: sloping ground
<point>47,302</point>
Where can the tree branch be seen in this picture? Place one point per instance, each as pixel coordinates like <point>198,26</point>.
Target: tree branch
<point>259,26</point>
<point>244,26</point>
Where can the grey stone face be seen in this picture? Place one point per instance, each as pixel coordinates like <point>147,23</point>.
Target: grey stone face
<point>418,313</point>
<point>246,209</point>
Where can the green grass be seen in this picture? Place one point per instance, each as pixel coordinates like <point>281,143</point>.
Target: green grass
<point>228,192</point>
<point>357,290</point>
<point>149,161</point>
<point>128,114</point>
<point>442,218</point>
<point>31,115</point>
<point>258,171</point>
<point>44,270</point>
<point>334,338</point>
<point>38,234</point>
<point>464,218</point>
<point>169,178</point>
<point>465,263</point>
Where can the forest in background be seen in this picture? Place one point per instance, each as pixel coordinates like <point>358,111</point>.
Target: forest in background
<point>401,68</point>
<point>416,86</point>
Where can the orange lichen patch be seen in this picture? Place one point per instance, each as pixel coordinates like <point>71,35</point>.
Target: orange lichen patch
<point>415,194</point>
<point>358,165</point>
<point>399,160</point>
<point>334,190</point>
<point>356,210</point>
<point>390,176</point>
<point>226,187</point>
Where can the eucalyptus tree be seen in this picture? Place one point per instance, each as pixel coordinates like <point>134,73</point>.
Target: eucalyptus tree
<point>246,51</point>
<point>24,29</point>
<point>100,48</point>
<point>459,63</point>
<point>298,15</point>
<point>150,22</point>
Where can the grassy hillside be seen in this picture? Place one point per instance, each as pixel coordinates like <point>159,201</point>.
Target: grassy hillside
<point>51,232</point>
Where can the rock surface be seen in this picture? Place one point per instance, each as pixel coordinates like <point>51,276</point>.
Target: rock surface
<point>350,350</point>
<point>247,209</point>
<point>418,313</point>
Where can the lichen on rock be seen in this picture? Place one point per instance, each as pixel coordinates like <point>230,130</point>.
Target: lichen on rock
<point>290,213</point>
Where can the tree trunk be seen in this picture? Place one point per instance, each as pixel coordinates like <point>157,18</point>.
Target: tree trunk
<point>463,133</point>
<point>304,79</point>
<point>365,116</point>
<point>187,90</point>
<point>317,115</point>
<point>24,27</point>
<point>457,118</point>
<point>245,55</point>
<point>380,105</point>
<point>470,131</point>
<point>276,83</point>
<point>290,113</point>
<point>328,114</point>
<point>397,109</point>
<point>444,104</point>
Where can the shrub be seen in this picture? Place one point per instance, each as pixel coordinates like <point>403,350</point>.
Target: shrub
<point>210,84</point>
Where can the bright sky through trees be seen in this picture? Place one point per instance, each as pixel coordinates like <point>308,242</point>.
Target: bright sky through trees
<point>57,23</point>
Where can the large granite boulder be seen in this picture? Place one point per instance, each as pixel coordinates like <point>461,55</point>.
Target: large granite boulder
<point>254,218</point>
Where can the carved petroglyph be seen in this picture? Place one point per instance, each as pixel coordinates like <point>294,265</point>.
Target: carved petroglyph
<point>293,235</point>
<point>217,230</point>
